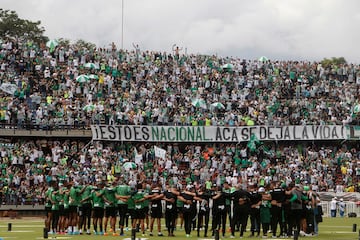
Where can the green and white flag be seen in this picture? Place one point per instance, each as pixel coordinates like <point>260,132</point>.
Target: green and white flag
<point>253,142</point>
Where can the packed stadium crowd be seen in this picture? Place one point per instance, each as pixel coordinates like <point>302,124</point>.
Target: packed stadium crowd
<point>79,87</point>
<point>73,88</point>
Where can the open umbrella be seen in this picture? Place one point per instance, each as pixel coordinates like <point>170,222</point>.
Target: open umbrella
<point>82,78</point>
<point>263,59</point>
<point>217,105</point>
<point>93,76</point>
<point>227,66</point>
<point>91,65</point>
<point>198,102</point>
<point>52,44</point>
<point>8,88</point>
<point>89,107</point>
<point>129,165</point>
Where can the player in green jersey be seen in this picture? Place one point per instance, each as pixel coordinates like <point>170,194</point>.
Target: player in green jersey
<point>48,205</point>
<point>140,206</point>
<point>55,201</point>
<point>110,208</point>
<point>63,207</point>
<point>98,205</point>
<point>74,204</point>
<point>122,195</point>
<point>85,209</point>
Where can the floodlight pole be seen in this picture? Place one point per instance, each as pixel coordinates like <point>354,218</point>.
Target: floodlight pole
<point>122,24</point>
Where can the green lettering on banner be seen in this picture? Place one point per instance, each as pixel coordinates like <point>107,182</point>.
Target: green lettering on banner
<point>182,134</point>
<point>155,133</point>
<point>190,133</point>
<point>198,134</point>
<point>169,134</point>
<point>162,134</point>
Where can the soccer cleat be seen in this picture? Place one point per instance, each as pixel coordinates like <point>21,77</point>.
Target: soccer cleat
<point>160,234</point>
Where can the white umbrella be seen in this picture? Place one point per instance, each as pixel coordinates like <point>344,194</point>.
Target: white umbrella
<point>198,102</point>
<point>218,105</point>
<point>263,59</point>
<point>82,78</point>
<point>52,44</point>
<point>8,88</point>
<point>93,76</point>
<point>91,65</point>
<point>227,66</point>
<point>129,165</point>
<point>89,107</point>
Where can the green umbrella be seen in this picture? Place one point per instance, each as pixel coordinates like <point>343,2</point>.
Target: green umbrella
<point>52,44</point>
<point>89,107</point>
<point>129,165</point>
<point>198,102</point>
<point>82,78</point>
<point>263,59</point>
<point>91,65</point>
<point>218,105</point>
<point>93,76</point>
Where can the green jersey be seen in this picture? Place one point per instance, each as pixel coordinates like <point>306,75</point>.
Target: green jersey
<point>74,196</point>
<point>87,193</point>
<point>55,199</point>
<point>137,196</point>
<point>97,198</point>
<point>131,203</point>
<point>64,195</point>
<point>109,194</point>
<point>179,203</point>
<point>122,190</point>
<point>48,196</point>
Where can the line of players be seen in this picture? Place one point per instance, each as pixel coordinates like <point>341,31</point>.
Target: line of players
<point>70,207</point>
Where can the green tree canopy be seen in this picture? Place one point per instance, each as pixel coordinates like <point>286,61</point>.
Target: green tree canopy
<point>80,44</point>
<point>326,62</point>
<point>13,27</point>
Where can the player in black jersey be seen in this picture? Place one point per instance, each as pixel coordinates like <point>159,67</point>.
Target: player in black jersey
<point>277,199</point>
<point>255,202</point>
<point>170,196</point>
<point>156,208</point>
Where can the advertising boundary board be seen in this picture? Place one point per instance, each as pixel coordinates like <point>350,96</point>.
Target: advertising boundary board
<point>146,133</point>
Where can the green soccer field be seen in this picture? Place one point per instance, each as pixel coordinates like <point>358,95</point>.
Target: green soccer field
<point>331,228</point>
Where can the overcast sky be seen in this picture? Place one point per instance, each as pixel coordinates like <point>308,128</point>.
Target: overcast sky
<point>278,29</point>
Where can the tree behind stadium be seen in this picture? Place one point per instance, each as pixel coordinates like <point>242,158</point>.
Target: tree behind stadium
<point>15,28</point>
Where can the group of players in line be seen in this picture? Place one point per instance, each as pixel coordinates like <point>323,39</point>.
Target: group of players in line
<point>70,207</point>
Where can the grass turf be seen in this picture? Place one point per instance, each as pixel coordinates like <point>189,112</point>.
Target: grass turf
<point>31,229</point>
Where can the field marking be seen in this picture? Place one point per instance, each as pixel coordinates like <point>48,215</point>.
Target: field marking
<point>19,231</point>
<point>23,226</point>
<point>54,238</point>
<point>136,239</point>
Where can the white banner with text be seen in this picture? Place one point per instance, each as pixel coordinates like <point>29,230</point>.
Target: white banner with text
<point>141,133</point>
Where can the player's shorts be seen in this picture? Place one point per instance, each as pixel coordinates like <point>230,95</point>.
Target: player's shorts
<point>98,212</point>
<point>110,212</point>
